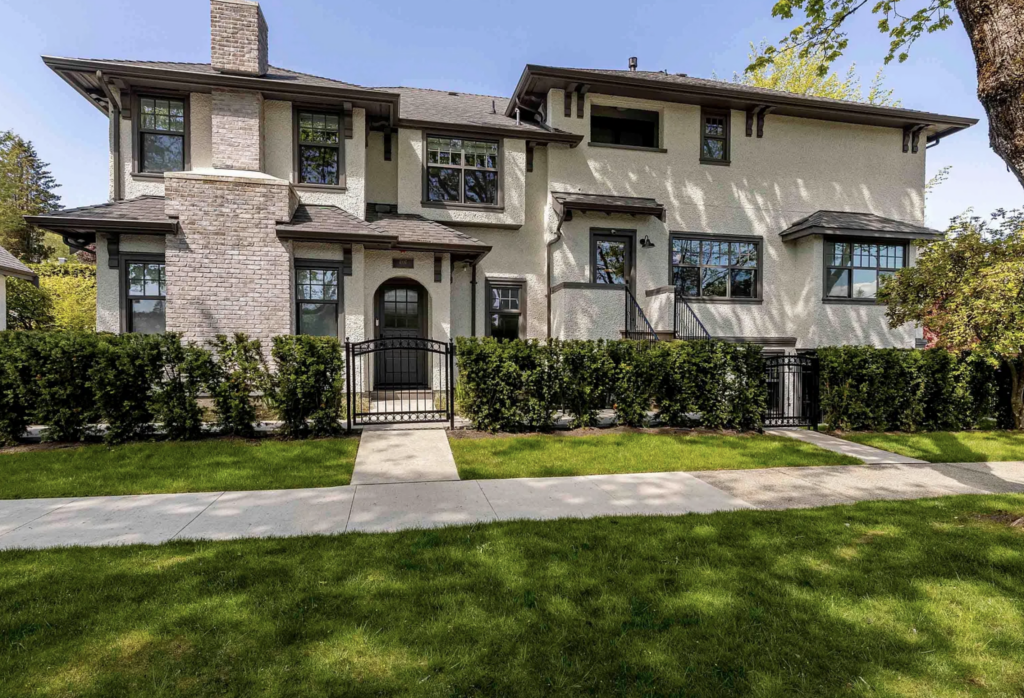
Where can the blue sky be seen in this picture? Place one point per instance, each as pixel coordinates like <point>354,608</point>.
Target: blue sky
<point>464,46</point>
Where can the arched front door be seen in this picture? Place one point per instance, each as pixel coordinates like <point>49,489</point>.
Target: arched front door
<point>401,314</point>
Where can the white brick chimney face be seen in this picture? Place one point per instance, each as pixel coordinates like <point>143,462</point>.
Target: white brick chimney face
<point>238,38</point>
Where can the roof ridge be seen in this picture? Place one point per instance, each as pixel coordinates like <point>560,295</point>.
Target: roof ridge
<point>432,89</point>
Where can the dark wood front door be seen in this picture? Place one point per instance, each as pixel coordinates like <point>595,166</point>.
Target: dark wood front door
<point>401,314</point>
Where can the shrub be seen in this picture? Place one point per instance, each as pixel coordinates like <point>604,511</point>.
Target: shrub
<point>17,381</point>
<point>187,370</point>
<point>492,384</point>
<point>863,388</point>
<point>636,376</point>
<point>586,369</point>
<point>124,377</point>
<point>64,401</point>
<point>308,389</point>
<point>240,374</point>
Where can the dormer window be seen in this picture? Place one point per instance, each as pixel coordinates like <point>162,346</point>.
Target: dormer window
<point>623,127</point>
<point>462,171</point>
<point>162,142</point>
<point>318,152</point>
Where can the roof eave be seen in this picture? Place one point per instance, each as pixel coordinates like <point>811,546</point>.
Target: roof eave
<point>813,108</point>
<point>68,224</point>
<point>325,235</point>
<point>19,273</point>
<point>799,233</point>
<point>539,136</point>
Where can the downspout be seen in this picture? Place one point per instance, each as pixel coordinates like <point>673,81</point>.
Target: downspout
<point>550,251</point>
<point>472,303</point>
<point>114,113</point>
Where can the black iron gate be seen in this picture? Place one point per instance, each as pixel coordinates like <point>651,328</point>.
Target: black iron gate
<point>399,380</point>
<point>793,398</point>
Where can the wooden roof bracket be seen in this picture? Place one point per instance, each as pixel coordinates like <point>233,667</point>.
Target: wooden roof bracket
<point>912,137</point>
<point>757,112</point>
<point>569,89</point>
<point>581,91</point>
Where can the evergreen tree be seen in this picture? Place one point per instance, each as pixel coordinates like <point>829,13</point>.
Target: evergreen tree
<point>26,189</point>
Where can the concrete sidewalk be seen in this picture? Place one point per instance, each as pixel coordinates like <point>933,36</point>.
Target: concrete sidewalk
<point>97,521</point>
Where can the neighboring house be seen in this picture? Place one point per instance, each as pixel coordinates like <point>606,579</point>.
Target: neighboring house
<point>10,266</point>
<point>251,198</point>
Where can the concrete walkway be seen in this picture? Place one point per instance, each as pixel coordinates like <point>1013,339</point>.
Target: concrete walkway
<point>868,454</point>
<point>96,521</point>
<point>390,455</point>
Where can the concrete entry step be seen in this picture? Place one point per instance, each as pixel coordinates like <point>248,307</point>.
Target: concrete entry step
<point>388,456</point>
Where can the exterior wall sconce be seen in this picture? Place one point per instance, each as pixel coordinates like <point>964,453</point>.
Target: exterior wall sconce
<point>646,243</point>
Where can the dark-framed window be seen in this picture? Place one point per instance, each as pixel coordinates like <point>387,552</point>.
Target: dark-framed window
<point>612,257</point>
<point>716,267</point>
<point>855,270</point>
<point>636,128</point>
<point>506,309</point>
<point>161,133</point>
<point>714,136</point>
<point>318,293</point>
<point>145,294</point>
<point>319,147</point>
<point>462,171</point>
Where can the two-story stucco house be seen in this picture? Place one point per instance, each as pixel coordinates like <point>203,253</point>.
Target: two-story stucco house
<point>245,197</point>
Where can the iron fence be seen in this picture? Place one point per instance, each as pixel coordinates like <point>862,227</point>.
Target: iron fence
<point>793,391</point>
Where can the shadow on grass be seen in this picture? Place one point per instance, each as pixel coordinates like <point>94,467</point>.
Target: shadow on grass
<point>948,447</point>
<point>911,598</point>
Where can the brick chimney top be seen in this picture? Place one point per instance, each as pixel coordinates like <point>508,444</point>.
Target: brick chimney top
<point>238,38</point>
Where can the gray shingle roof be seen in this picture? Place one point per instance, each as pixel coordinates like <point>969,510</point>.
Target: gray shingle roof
<point>10,266</point>
<point>853,224</point>
<point>459,108</point>
<point>144,208</point>
<point>328,219</point>
<point>417,230</point>
<point>279,74</point>
<point>579,201</point>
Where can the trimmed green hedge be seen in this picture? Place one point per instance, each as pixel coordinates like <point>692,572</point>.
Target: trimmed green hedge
<point>70,381</point>
<point>520,385</point>
<point>863,388</point>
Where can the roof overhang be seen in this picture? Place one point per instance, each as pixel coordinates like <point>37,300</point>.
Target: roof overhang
<point>536,80</point>
<point>791,235</point>
<point>16,273</point>
<point>380,241</point>
<point>87,77</point>
<point>79,233</point>
<point>538,135</point>
<point>564,203</point>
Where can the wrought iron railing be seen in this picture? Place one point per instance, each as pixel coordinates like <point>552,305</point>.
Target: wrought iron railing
<point>687,325</point>
<point>794,393</point>
<point>638,327</point>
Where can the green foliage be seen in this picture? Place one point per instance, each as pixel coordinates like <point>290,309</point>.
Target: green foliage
<point>822,35</point>
<point>26,188</point>
<point>28,307</point>
<point>307,391</point>
<point>240,374</point>
<point>64,401</point>
<point>17,383</point>
<point>791,72</point>
<point>509,386</point>
<point>187,370</point>
<point>124,377</point>
<point>967,289</point>
<point>65,298</point>
<point>863,388</point>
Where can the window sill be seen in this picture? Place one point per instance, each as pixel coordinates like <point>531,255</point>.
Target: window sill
<point>617,146</point>
<point>852,301</point>
<point>722,163</point>
<point>486,208</point>
<point>150,175</point>
<point>321,187</point>
<point>726,301</point>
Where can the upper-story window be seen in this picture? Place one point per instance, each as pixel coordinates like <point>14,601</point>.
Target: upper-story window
<point>637,128</point>
<point>855,270</point>
<point>319,148</point>
<point>162,129</point>
<point>716,267</point>
<point>462,171</point>
<point>714,137</point>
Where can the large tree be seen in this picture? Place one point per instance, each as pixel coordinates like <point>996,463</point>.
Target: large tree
<point>790,72</point>
<point>967,290</point>
<point>994,27</point>
<point>26,189</point>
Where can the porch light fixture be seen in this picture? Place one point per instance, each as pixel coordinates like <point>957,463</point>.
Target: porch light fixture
<point>646,243</point>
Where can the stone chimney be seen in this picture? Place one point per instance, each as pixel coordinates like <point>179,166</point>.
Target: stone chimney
<point>238,37</point>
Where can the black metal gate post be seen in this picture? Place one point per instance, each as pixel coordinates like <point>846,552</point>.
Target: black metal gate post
<point>348,386</point>
<point>793,391</point>
<point>451,384</point>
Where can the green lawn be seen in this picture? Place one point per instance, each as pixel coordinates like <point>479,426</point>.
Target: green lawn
<point>917,599</point>
<point>948,447</point>
<point>553,455</point>
<point>199,466</point>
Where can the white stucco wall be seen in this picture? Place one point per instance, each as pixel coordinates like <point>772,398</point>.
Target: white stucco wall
<point>378,268</point>
<point>381,174</point>
<point>108,283</point>
<point>587,313</point>
<point>513,182</point>
<point>800,166</point>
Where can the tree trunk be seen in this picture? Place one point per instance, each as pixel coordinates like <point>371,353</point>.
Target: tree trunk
<point>1017,392</point>
<point>996,30</point>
